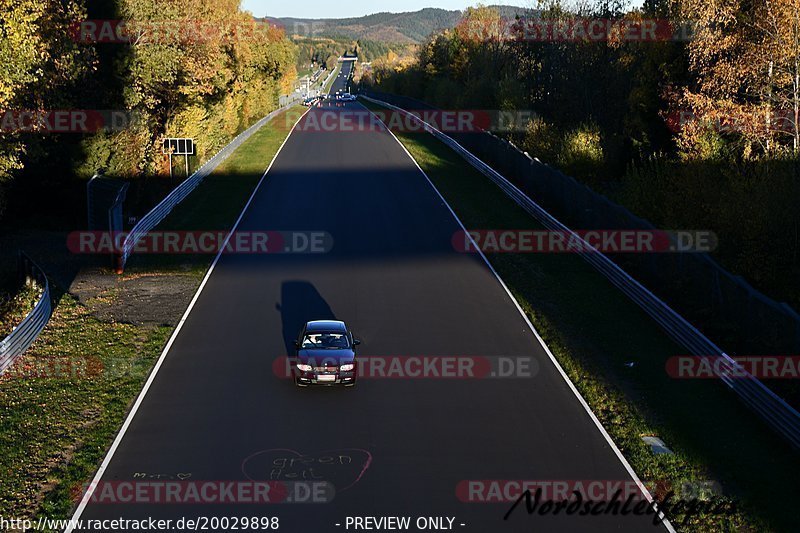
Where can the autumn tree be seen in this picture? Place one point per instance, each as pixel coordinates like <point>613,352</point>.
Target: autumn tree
<point>746,60</point>
<point>196,69</point>
<point>190,68</point>
<point>39,67</point>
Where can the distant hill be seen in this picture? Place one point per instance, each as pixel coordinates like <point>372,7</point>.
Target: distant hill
<point>407,28</point>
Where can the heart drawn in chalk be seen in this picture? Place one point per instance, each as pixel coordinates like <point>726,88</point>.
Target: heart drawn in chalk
<point>342,468</point>
<point>184,476</point>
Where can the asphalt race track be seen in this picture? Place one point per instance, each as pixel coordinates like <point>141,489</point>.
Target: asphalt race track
<point>391,447</point>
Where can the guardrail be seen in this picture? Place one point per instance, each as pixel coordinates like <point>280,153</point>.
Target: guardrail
<point>34,322</point>
<point>770,407</point>
<point>325,83</point>
<point>179,193</point>
<point>287,99</point>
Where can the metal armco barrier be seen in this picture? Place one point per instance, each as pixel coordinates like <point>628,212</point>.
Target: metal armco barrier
<point>34,322</point>
<point>327,79</point>
<point>177,195</point>
<point>694,283</point>
<point>770,407</point>
<point>285,100</point>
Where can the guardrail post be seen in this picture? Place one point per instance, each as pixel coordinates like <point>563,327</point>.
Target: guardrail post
<point>119,267</point>
<point>23,269</point>
<point>21,276</point>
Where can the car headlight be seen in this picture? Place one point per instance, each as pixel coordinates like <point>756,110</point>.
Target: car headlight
<point>347,367</point>
<point>304,368</point>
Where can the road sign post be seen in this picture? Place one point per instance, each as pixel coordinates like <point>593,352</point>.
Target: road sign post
<point>104,199</point>
<point>178,146</point>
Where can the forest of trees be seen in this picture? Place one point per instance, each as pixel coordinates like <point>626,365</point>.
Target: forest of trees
<point>195,69</point>
<point>369,51</point>
<point>698,132</point>
<point>325,51</point>
<point>411,27</point>
<point>319,51</point>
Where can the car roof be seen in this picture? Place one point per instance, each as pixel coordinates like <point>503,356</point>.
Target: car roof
<point>326,325</point>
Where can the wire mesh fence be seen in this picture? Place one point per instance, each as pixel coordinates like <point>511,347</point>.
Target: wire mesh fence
<point>693,282</point>
<point>524,178</point>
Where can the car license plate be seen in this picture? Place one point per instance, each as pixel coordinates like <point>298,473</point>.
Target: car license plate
<point>327,377</point>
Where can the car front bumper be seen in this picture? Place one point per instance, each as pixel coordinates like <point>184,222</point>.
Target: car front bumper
<point>325,378</point>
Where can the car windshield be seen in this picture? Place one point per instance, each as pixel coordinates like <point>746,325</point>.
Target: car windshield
<point>326,340</point>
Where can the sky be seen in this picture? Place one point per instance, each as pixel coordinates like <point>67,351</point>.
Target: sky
<point>318,9</point>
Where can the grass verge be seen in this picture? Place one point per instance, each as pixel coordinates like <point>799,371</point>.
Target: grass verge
<point>13,308</point>
<point>62,403</point>
<point>222,196</point>
<point>327,88</point>
<point>595,332</point>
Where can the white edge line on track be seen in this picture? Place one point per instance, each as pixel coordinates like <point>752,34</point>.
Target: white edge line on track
<point>121,434</point>
<point>555,362</point>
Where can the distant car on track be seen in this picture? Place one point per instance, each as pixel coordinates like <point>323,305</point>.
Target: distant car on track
<point>325,354</point>
<point>312,100</point>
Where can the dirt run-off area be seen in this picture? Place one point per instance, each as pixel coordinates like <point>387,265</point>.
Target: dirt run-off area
<point>141,296</point>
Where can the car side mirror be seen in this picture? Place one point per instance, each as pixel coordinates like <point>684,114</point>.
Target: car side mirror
<point>356,342</point>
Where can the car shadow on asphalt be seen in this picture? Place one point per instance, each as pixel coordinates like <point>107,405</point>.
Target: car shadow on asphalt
<point>300,303</point>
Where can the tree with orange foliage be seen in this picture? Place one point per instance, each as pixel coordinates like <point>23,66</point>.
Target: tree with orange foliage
<point>746,59</point>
